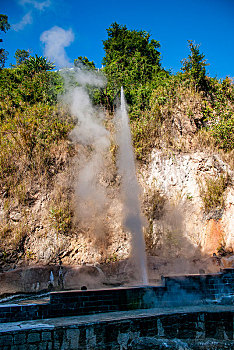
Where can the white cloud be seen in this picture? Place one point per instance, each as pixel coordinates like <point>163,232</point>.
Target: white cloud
<point>55,41</point>
<point>39,5</point>
<point>27,19</point>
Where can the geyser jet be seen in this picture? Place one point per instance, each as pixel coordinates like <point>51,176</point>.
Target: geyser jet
<point>130,191</point>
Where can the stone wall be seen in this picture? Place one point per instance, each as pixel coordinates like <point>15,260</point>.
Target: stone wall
<point>175,290</point>
<point>177,330</point>
<point>185,312</point>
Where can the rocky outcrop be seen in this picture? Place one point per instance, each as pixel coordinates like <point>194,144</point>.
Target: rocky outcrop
<point>179,178</point>
<point>180,236</point>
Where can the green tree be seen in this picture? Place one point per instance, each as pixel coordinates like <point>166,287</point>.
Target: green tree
<point>131,60</point>
<point>84,61</point>
<point>21,56</point>
<point>38,64</point>
<point>18,85</point>
<point>4,26</point>
<point>194,66</point>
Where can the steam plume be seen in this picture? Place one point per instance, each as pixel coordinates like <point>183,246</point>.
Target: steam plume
<point>90,195</point>
<point>55,40</point>
<point>130,191</point>
<point>89,131</point>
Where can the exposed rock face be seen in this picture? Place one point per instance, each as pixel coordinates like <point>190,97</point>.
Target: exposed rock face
<point>180,236</point>
<point>213,236</point>
<point>178,176</point>
<point>228,219</point>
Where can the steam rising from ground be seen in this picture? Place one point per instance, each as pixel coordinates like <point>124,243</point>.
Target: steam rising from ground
<point>130,191</point>
<point>55,40</point>
<point>91,198</point>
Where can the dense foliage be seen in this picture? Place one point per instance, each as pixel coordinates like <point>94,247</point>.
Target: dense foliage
<point>29,119</point>
<point>155,96</point>
<point>131,60</point>
<point>30,124</point>
<point>194,67</point>
<point>21,56</point>
<point>218,110</point>
<point>34,145</point>
<point>4,26</point>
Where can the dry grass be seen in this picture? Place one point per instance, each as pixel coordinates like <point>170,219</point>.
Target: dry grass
<point>212,192</point>
<point>33,150</point>
<point>174,117</point>
<point>153,209</point>
<point>12,234</point>
<point>61,210</point>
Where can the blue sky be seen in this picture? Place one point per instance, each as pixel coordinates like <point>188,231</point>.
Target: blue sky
<point>209,23</point>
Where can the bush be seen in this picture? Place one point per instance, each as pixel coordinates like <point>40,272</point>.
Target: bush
<point>18,86</point>
<point>26,143</point>
<point>219,113</point>
<point>212,192</point>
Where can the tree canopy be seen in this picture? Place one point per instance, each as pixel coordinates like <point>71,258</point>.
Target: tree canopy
<point>194,66</point>
<point>37,64</point>
<point>84,61</point>
<point>21,56</point>
<point>4,26</point>
<point>131,59</point>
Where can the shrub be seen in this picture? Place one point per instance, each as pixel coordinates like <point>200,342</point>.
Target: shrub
<point>61,209</point>
<point>27,140</point>
<point>219,113</point>
<point>212,192</point>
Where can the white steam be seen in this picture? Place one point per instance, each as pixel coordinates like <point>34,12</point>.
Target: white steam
<point>85,76</point>
<point>55,41</point>
<point>91,197</point>
<point>130,191</point>
<point>93,139</point>
<point>89,132</point>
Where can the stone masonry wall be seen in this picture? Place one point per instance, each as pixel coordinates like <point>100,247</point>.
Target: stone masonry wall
<point>194,330</point>
<point>175,290</point>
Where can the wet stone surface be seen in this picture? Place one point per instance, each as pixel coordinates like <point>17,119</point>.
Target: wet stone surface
<point>184,313</point>
<point>174,291</point>
<point>196,327</point>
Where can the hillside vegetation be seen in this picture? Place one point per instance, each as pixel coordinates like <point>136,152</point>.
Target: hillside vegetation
<point>171,112</point>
